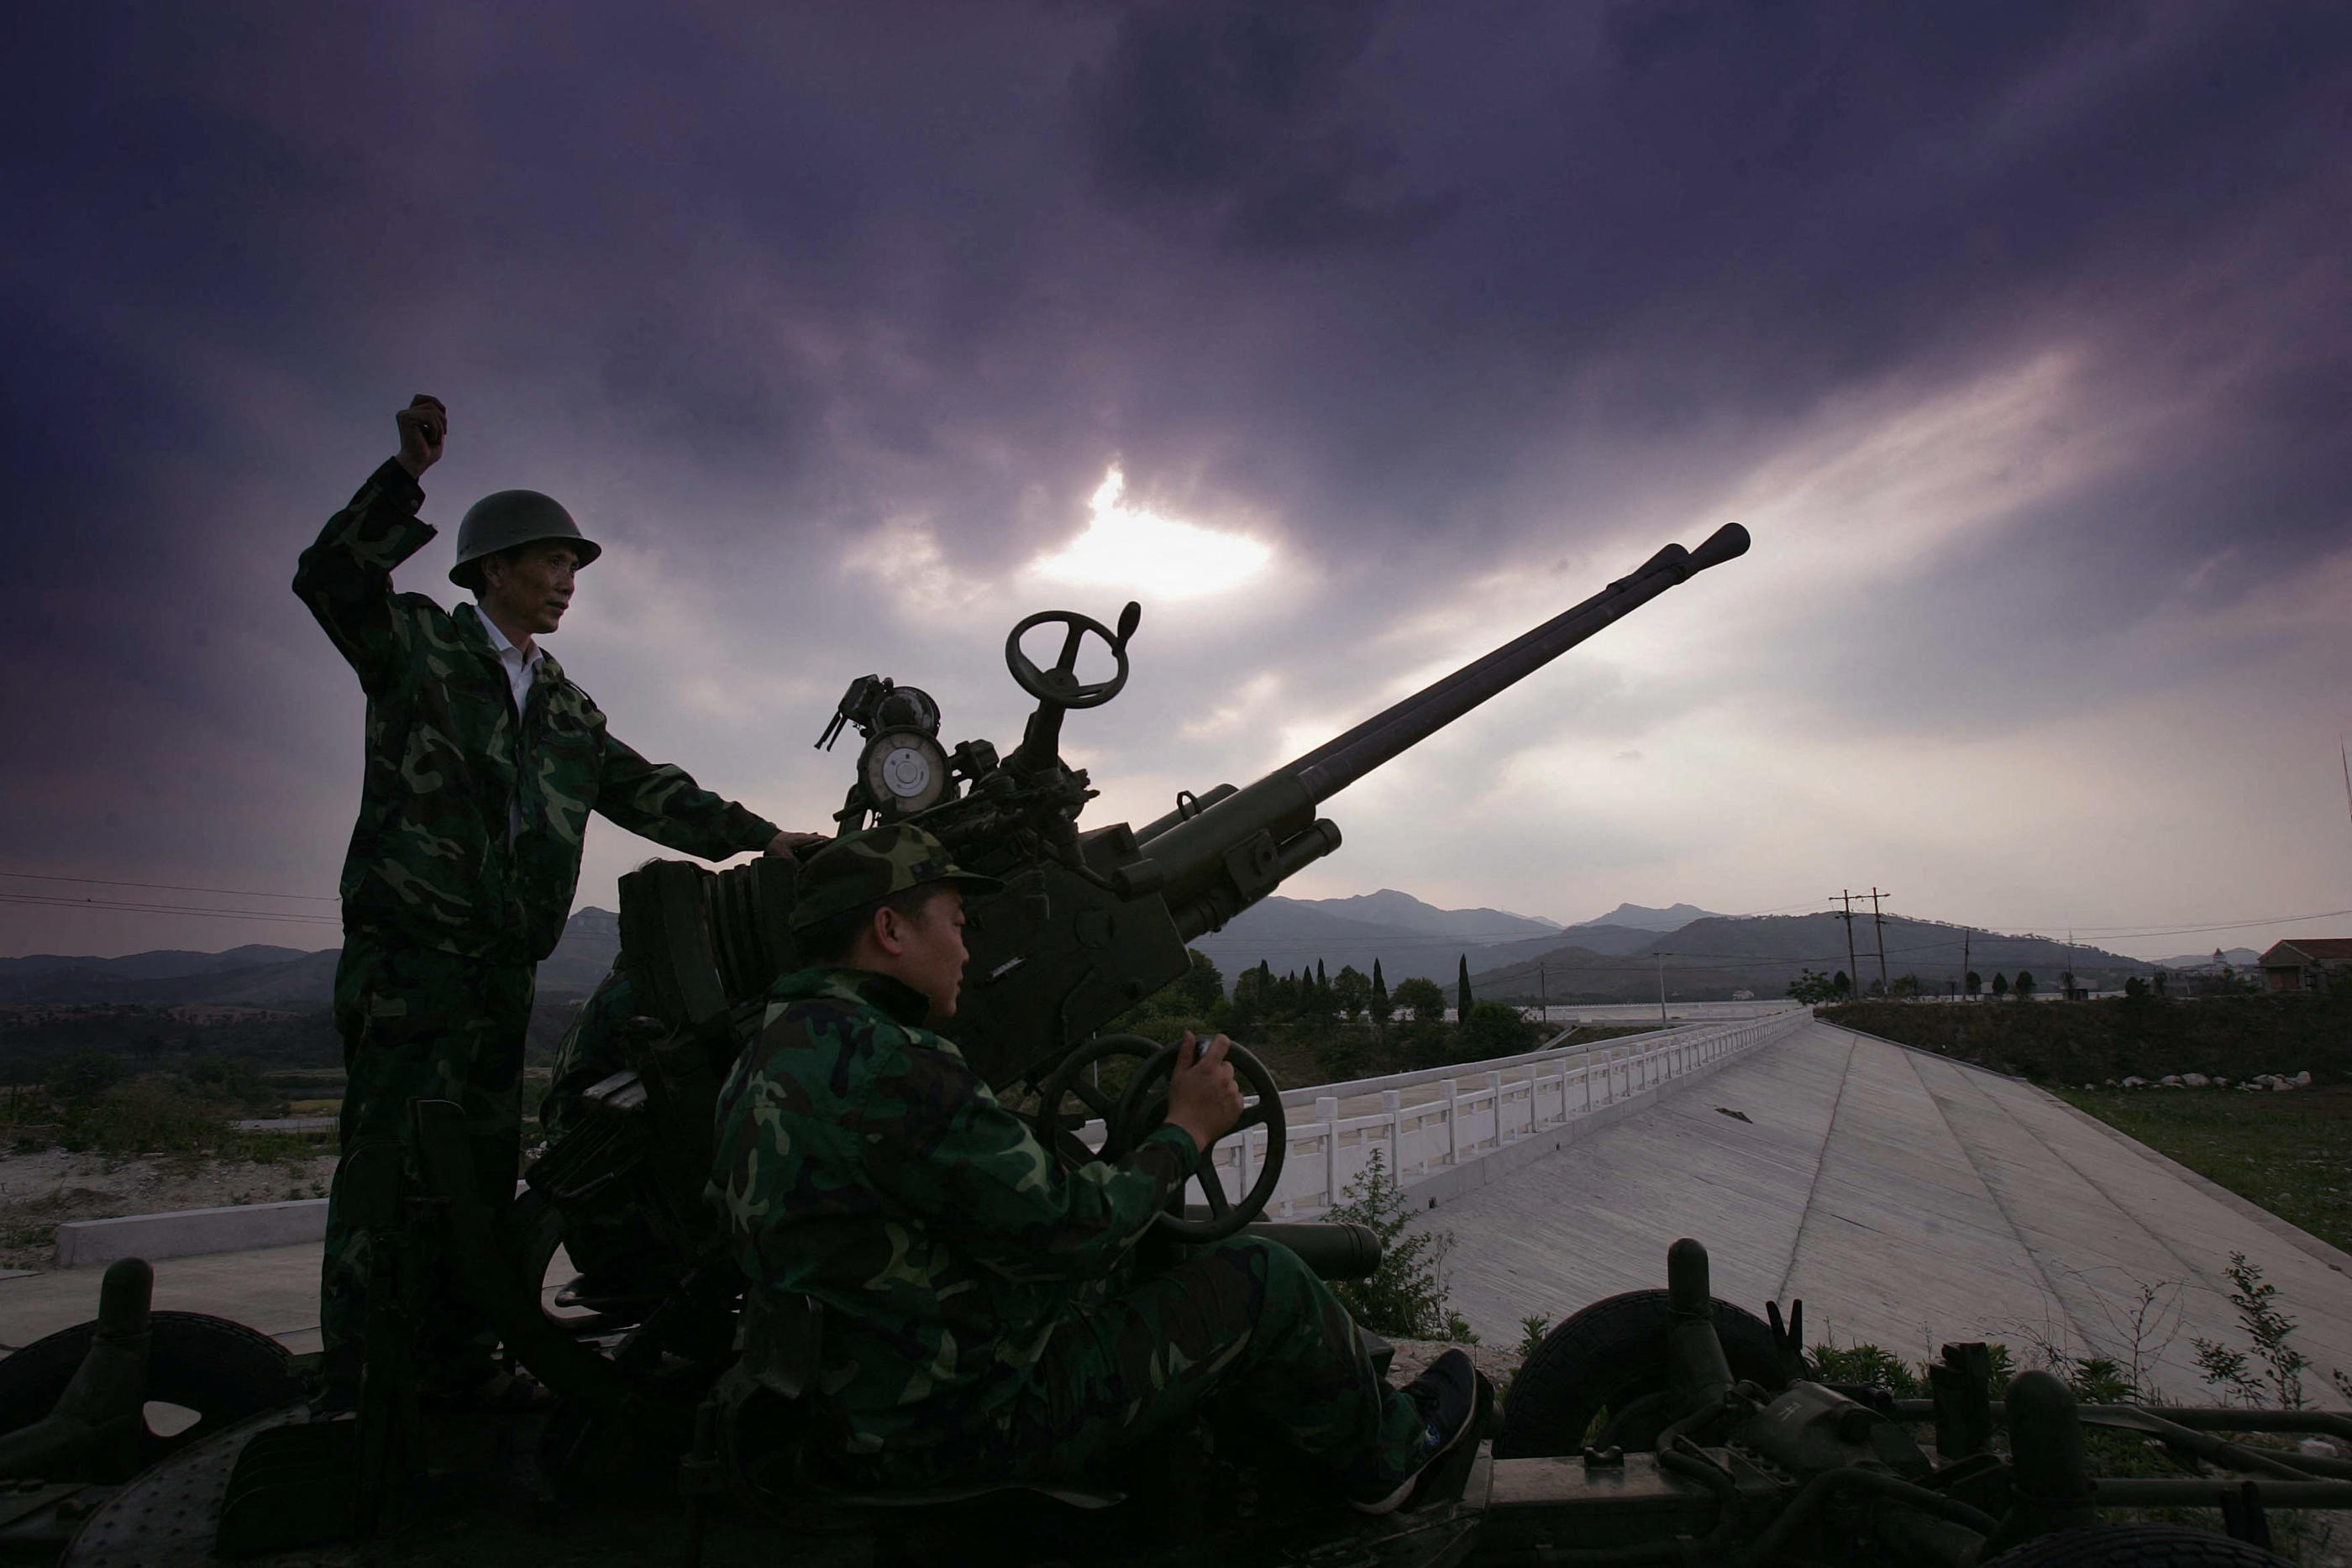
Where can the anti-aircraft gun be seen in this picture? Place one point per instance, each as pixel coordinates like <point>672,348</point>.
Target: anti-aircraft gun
<point>1089,922</point>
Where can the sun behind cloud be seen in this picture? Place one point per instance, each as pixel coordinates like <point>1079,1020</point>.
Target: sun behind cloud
<point>1126,546</point>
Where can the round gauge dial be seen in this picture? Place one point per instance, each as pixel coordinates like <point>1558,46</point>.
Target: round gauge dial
<point>904,771</point>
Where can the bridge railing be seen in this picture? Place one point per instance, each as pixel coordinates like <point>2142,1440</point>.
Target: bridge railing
<point>1428,1121</point>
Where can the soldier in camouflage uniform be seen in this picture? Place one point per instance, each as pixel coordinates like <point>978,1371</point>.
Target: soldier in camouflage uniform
<point>483,762</point>
<point>984,1317</point>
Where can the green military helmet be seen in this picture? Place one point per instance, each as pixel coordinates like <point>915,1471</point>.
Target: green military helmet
<point>864,868</point>
<point>505,518</point>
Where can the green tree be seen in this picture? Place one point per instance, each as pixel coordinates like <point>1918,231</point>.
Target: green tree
<point>2024,986</point>
<point>1351,991</point>
<point>1201,986</point>
<point>1253,1000</point>
<point>1383,1007</point>
<point>1841,984</point>
<point>1812,986</point>
<point>1905,987</point>
<point>1462,990</point>
<point>1421,999</point>
<point>1495,1029</point>
<point>1974,983</point>
<point>2000,984</point>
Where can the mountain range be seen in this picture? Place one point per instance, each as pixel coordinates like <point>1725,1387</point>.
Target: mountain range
<point>1720,955</point>
<point>1620,956</point>
<point>284,979</point>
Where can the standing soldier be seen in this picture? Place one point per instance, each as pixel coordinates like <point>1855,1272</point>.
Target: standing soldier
<point>483,762</point>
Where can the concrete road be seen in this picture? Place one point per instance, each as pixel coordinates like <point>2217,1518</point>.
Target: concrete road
<point>1908,1201</point>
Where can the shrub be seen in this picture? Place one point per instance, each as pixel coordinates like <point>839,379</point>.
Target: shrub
<point>1405,1296</point>
<point>83,1076</point>
<point>1495,1029</point>
<point>151,1112</point>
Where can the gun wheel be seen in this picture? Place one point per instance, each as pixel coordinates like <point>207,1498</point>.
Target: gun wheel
<point>1608,1362</point>
<point>2137,1546</point>
<point>220,1371</point>
<point>1075,1094</point>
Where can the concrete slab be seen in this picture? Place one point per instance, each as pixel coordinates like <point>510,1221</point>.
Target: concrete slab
<point>188,1232</point>
<point>1907,1199</point>
<point>275,1289</point>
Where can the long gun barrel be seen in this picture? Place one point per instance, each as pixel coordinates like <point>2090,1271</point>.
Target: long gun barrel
<point>1234,846</point>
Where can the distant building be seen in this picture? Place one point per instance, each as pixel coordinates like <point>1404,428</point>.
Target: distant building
<point>2307,964</point>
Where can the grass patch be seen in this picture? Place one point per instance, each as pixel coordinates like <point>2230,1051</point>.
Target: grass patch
<point>2090,1042</point>
<point>2291,1154</point>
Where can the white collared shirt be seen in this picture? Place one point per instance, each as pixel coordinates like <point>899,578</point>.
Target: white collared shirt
<point>521,671</point>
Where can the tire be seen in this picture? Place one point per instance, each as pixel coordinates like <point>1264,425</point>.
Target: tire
<point>1606,1356</point>
<point>224,1370</point>
<point>2137,1546</point>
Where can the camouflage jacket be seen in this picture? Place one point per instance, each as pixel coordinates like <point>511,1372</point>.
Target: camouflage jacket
<point>861,1162</point>
<point>451,765</point>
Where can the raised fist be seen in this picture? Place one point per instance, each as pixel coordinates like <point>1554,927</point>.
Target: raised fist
<point>423,425</point>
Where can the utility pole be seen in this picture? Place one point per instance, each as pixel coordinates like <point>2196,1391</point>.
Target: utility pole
<point>1879,926</point>
<point>1543,993</point>
<point>1965,933</point>
<point>1661,990</point>
<point>1853,980</point>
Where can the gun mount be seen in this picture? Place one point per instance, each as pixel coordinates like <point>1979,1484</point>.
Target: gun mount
<point>1090,922</point>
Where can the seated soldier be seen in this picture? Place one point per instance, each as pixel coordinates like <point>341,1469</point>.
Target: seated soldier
<point>983,1321</point>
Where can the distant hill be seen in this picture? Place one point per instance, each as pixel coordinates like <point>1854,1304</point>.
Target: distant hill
<point>1713,958</point>
<point>1640,918</point>
<point>1405,935</point>
<point>286,979</point>
<point>2236,957</point>
<point>34,978</point>
<point>1406,912</point>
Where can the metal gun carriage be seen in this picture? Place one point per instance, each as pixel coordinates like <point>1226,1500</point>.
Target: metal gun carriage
<point>1706,1438</point>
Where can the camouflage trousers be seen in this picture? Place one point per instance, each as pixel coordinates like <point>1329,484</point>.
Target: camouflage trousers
<point>421,1024</point>
<point>1242,1332</point>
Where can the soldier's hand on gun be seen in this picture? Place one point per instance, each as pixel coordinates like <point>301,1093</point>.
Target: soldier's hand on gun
<point>1204,1097</point>
<point>423,425</point>
<point>786,841</point>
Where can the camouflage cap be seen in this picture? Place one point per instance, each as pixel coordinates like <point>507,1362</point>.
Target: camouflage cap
<point>869,866</point>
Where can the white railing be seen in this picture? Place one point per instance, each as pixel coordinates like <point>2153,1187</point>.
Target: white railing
<point>1426,1123</point>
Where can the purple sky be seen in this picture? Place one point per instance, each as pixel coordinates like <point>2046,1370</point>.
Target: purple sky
<point>2018,335</point>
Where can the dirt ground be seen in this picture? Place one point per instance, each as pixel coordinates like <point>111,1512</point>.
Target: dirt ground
<point>38,1191</point>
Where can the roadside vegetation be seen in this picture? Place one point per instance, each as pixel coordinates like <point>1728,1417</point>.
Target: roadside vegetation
<point>1312,1027</point>
<point>1405,1296</point>
<point>95,1102</point>
<point>2261,1366</point>
<point>2290,1154</point>
<point>2146,1036</point>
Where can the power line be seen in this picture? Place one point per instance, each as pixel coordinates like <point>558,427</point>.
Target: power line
<point>167,886</point>
<point>39,901</point>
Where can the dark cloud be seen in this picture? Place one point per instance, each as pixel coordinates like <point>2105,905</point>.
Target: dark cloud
<point>1235,111</point>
